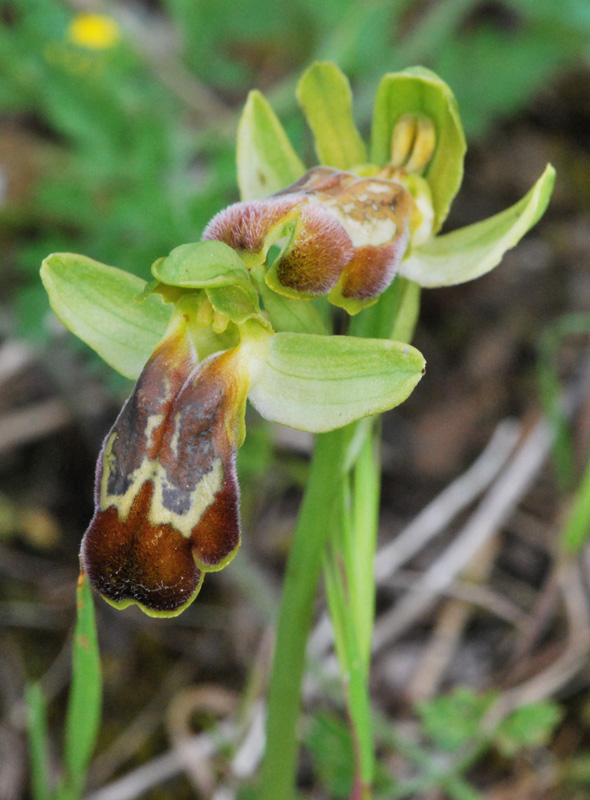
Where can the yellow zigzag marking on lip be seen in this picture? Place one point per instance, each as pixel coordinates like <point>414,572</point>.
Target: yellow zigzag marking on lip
<point>201,497</point>
<point>200,500</point>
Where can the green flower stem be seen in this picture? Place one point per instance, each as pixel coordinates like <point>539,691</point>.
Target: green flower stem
<point>296,612</point>
<point>328,480</point>
<point>350,585</point>
<point>367,490</point>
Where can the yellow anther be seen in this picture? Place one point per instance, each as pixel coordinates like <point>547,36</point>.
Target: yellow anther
<point>412,143</point>
<point>402,139</point>
<point>424,145</point>
<point>220,322</point>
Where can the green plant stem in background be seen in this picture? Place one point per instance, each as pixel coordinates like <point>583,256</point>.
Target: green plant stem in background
<point>37,732</point>
<point>85,701</point>
<point>552,395</point>
<point>296,612</point>
<point>83,715</point>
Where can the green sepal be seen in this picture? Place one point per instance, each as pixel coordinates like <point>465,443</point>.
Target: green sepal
<point>351,305</point>
<point>266,159</point>
<point>203,265</point>
<point>472,251</point>
<point>419,91</point>
<point>98,304</point>
<point>287,314</point>
<point>235,303</point>
<point>320,383</point>
<point>169,294</point>
<point>324,95</point>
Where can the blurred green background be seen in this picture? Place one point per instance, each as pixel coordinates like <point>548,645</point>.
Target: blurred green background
<point>117,141</point>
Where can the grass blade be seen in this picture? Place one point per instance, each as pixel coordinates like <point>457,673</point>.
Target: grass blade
<point>84,705</point>
<point>37,734</point>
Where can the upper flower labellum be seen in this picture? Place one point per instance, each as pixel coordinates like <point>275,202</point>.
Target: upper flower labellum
<point>340,234</point>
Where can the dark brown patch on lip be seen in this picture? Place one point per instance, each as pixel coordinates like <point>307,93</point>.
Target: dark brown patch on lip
<point>139,426</point>
<point>134,561</point>
<point>371,270</point>
<point>223,516</point>
<point>320,251</point>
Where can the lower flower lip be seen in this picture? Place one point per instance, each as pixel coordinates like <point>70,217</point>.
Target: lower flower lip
<point>167,498</point>
<point>135,562</point>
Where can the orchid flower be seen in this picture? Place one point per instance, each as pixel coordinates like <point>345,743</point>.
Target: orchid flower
<point>198,342</point>
<point>373,219</point>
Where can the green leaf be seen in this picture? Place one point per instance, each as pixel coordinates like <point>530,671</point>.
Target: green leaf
<point>325,97</point>
<point>203,265</point>
<point>98,304</point>
<point>84,706</point>
<point>454,719</point>
<point>350,634</point>
<point>266,159</point>
<point>529,726</point>
<point>472,251</point>
<point>419,91</point>
<point>320,383</point>
<point>37,734</point>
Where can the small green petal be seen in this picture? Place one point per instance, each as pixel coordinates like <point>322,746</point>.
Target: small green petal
<point>419,91</point>
<point>236,303</point>
<point>326,99</point>
<point>472,251</point>
<point>287,313</point>
<point>319,383</point>
<point>266,159</point>
<point>99,304</point>
<point>203,265</point>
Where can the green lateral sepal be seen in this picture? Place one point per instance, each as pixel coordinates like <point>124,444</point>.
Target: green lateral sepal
<point>320,383</point>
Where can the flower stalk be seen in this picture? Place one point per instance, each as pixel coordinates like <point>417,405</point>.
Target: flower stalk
<point>296,612</point>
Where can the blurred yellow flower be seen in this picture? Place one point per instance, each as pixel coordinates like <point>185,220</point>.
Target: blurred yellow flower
<point>94,31</point>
